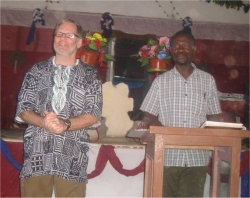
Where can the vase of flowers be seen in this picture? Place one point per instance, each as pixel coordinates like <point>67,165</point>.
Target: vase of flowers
<point>90,57</point>
<point>94,50</point>
<point>157,65</point>
<point>156,54</point>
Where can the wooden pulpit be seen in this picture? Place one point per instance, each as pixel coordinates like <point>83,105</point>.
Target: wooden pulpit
<point>225,144</point>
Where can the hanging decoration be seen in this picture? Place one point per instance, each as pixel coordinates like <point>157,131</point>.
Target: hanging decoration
<point>187,23</point>
<point>16,60</point>
<point>232,4</point>
<point>107,24</point>
<point>174,12</point>
<point>37,17</point>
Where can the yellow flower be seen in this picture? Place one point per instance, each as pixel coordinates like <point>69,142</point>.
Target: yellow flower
<point>90,38</point>
<point>99,37</point>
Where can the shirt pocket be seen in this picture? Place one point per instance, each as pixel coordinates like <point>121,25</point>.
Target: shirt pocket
<point>198,103</point>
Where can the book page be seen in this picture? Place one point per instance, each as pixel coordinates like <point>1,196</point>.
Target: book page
<point>213,124</point>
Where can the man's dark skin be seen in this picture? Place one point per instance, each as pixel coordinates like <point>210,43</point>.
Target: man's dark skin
<point>182,49</point>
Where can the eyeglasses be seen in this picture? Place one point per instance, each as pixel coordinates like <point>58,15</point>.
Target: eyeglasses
<point>67,35</point>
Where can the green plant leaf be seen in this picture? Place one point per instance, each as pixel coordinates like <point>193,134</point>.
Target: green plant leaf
<point>92,45</point>
<point>150,42</point>
<point>144,61</point>
<point>161,47</point>
<point>108,57</point>
<point>103,44</point>
<point>140,59</point>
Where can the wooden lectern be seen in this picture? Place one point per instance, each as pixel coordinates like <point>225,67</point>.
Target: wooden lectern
<point>225,144</point>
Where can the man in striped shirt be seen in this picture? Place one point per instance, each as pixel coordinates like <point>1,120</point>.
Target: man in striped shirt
<point>182,97</point>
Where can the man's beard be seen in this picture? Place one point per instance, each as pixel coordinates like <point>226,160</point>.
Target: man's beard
<point>67,53</point>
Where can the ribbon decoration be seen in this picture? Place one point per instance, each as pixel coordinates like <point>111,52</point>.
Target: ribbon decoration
<point>106,153</point>
<point>187,23</point>
<point>6,153</point>
<point>37,17</point>
<point>107,24</point>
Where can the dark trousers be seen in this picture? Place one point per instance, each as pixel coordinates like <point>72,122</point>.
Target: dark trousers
<point>184,181</point>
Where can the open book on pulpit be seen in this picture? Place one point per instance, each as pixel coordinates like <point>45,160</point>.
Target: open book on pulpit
<point>138,133</point>
<point>221,125</point>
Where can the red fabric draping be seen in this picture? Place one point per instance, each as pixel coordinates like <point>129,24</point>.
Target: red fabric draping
<point>107,153</point>
<point>10,176</point>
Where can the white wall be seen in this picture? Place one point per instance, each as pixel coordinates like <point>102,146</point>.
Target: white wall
<point>198,10</point>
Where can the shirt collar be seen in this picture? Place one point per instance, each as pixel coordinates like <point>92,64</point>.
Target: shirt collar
<point>195,72</point>
<point>54,63</point>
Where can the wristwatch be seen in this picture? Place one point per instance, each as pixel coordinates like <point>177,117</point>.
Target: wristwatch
<point>67,123</point>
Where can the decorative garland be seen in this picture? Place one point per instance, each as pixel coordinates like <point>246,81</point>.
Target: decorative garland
<point>174,10</point>
<point>231,4</point>
<point>106,153</point>
<point>6,153</point>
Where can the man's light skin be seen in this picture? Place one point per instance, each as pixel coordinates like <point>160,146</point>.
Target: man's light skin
<point>65,49</point>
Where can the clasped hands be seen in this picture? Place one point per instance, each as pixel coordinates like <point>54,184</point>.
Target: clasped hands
<point>53,123</point>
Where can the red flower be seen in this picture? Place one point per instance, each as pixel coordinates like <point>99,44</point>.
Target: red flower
<point>98,44</point>
<point>85,42</point>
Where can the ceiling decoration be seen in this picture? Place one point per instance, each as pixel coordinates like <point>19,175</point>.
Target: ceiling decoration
<point>175,14</point>
<point>232,4</point>
<point>49,1</point>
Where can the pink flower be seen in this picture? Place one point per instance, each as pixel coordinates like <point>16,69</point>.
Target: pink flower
<point>163,40</point>
<point>145,51</point>
<point>154,48</point>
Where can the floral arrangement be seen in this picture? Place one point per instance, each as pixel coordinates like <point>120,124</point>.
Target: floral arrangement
<point>155,48</point>
<point>98,44</point>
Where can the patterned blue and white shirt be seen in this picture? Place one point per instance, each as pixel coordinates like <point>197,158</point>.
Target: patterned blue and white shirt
<point>183,103</point>
<point>64,155</point>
